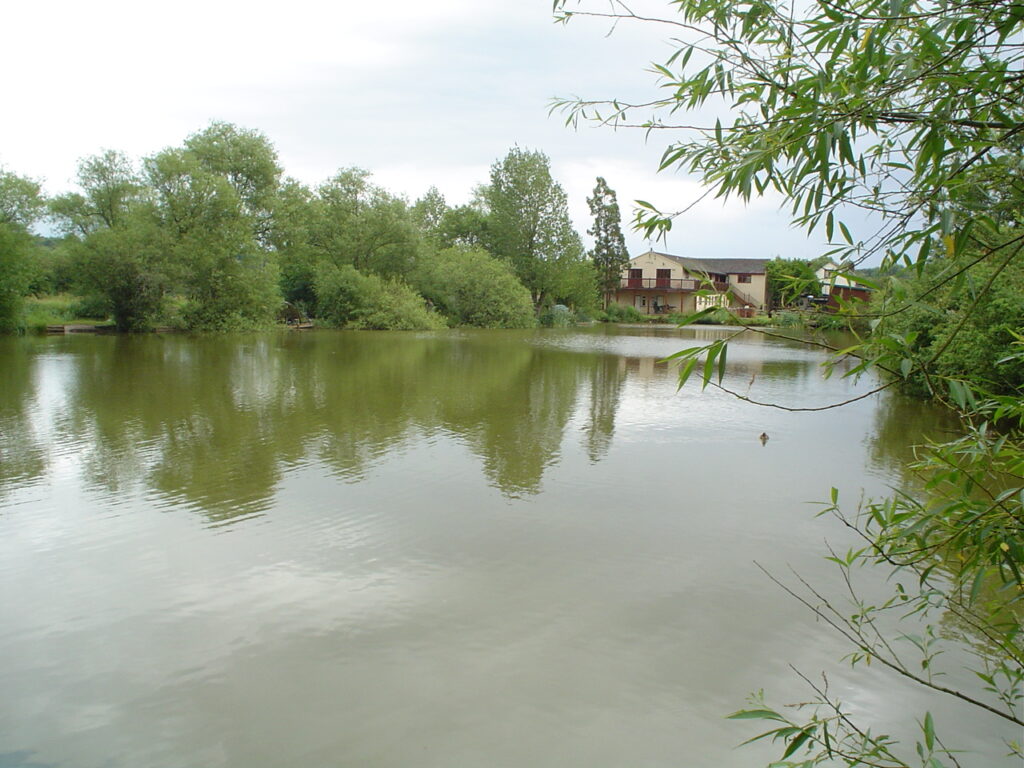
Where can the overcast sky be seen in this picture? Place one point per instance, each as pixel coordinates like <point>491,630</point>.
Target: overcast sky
<point>419,93</point>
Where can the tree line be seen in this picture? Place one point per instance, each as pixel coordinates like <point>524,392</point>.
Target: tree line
<point>212,236</point>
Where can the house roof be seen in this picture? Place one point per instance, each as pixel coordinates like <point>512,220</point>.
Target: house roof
<point>719,266</point>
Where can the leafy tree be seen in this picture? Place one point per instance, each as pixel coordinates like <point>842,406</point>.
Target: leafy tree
<point>789,279</point>
<point>350,299</point>
<point>114,244</point>
<point>15,274</point>
<point>126,267</point>
<point>473,288</point>
<point>609,253</point>
<point>111,187</point>
<point>464,225</point>
<point>528,221</point>
<point>429,211</point>
<point>229,281</point>
<point>291,237</point>
<point>248,161</point>
<point>21,204</point>
<point>52,266</point>
<point>574,282</point>
<point>21,200</point>
<point>940,322</point>
<point>911,111</point>
<point>995,190</point>
<point>363,225</point>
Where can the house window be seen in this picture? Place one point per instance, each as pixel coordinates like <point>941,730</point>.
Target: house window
<point>743,279</point>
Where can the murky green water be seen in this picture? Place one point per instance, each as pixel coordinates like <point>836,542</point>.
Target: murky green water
<point>454,549</point>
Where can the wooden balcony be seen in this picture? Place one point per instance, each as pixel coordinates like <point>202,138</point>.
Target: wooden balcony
<point>669,285</point>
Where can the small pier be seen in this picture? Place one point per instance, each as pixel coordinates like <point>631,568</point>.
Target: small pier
<point>79,328</point>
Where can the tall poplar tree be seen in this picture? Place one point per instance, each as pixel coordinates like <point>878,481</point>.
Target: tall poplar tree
<point>609,253</point>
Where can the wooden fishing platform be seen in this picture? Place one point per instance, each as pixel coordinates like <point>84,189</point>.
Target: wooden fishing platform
<point>80,328</point>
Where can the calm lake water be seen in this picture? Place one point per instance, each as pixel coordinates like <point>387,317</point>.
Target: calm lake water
<point>448,549</point>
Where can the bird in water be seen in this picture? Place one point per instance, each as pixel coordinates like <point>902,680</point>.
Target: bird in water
<point>763,438</point>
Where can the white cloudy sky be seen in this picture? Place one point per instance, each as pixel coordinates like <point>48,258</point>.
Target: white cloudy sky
<point>417,92</point>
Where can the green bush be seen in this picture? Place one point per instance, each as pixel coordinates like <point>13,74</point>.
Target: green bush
<point>119,270</point>
<point>963,338</point>
<point>473,288</point>
<point>557,316</point>
<point>620,313</point>
<point>342,292</point>
<point>92,307</point>
<point>789,279</point>
<point>52,269</point>
<point>347,298</point>
<point>836,321</point>
<point>238,292</point>
<point>717,317</point>
<point>758,321</point>
<point>725,317</point>
<point>786,319</point>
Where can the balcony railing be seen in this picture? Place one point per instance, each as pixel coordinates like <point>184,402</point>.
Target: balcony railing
<point>669,284</point>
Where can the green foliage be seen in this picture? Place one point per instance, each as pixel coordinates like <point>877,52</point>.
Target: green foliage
<point>15,274</point>
<point>863,102</point>
<point>213,242</point>
<point>574,282</point>
<point>428,213</point>
<point>528,226</point>
<point>557,316</point>
<point>464,225</point>
<point>718,316</point>
<point>721,316</point>
<point>349,299</point>
<point>61,309</point>
<point>111,188</point>
<point>473,288</point>
<point>609,253</point>
<point>361,224</point>
<point>52,270</point>
<point>21,200</point>
<point>211,230</point>
<point>51,310</point>
<point>621,313</point>
<point>963,327</point>
<point>20,205</point>
<point>88,308</point>
<point>239,292</point>
<point>788,280</point>
<point>117,254</point>
<point>123,270</point>
<point>291,237</point>
<point>954,554</point>
<point>342,292</point>
<point>624,313</point>
<point>911,111</point>
<point>248,161</point>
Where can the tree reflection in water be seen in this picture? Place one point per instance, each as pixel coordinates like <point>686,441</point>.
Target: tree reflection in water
<point>212,421</point>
